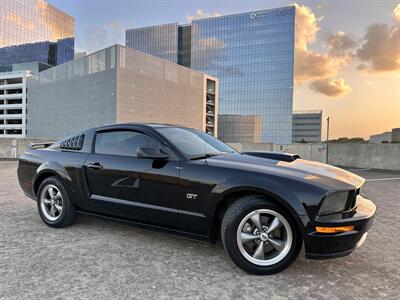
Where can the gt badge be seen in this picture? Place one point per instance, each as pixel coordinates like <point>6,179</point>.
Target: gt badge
<point>191,196</point>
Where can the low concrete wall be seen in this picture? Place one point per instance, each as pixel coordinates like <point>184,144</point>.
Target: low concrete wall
<point>316,152</point>
<point>13,148</point>
<point>252,146</point>
<point>375,156</point>
<point>378,156</point>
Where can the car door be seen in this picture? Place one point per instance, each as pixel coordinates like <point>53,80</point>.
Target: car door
<point>137,188</point>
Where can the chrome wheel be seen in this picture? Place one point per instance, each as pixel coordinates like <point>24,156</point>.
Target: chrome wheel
<point>51,202</point>
<point>264,237</point>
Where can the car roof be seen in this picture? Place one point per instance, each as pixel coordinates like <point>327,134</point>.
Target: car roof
<point>158,125</point>
<point>152,125</point>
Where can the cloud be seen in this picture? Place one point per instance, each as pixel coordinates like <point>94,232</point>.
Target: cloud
<point>331,87</point>
<point>96,38</point>
<point>310,65</point>
<point>380,50</point>
<point>306,26</point>
<point>341,44</point>
<point>317,67</point>
<point>368,82</point>
<point>396,13</point>
<point>200,14</point>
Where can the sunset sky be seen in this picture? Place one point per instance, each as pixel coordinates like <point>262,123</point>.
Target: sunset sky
<point>347,52</point>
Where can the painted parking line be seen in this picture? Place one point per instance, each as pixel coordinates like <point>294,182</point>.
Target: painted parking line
<point>383,179</point>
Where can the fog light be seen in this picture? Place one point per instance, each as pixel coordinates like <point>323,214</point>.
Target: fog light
<point>334,229</point>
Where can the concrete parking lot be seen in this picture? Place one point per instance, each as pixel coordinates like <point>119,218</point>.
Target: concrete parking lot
<point>98,259</point>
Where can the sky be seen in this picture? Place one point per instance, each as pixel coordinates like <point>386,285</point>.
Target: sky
<point>347,60</point>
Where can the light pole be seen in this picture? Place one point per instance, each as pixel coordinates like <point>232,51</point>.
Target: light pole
<point>327,139</point>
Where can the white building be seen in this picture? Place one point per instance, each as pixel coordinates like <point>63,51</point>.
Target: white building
<point>382,137</point>
<point>396,135</point>
<point>119,85</point>
<point>307,126</point>
<point>13,104</point>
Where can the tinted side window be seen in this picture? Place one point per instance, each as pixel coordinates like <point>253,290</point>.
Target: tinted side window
<point>124,143</point>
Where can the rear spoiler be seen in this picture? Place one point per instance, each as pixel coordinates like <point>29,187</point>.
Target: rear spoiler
<point>40,145</point>
<point>274,155</point>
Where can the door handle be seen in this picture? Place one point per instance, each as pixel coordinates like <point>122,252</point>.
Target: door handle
<point>95,166</point>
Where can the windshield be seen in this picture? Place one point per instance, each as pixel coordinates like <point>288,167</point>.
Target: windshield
<point>194,143</point>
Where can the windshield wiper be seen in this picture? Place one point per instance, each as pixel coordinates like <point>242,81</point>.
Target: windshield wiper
<point>206,155</point>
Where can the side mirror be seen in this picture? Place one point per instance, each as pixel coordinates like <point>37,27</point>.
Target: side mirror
<point>154,153</point>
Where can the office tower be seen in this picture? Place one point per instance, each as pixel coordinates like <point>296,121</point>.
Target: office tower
<point>35,31</point>
<point>251,54</point>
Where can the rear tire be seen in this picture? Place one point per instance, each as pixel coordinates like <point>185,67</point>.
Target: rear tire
<point>54,204</point>
<point>260,237</point>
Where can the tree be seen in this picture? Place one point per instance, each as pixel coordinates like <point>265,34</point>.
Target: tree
<point>346,140</point>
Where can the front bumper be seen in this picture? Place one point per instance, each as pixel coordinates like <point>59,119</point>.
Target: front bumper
<point>331,245</point>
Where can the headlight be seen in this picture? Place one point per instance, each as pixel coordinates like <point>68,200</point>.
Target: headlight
<point>334,203</point>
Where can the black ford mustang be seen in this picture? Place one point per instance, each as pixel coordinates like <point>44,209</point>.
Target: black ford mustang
<point>262,205</point>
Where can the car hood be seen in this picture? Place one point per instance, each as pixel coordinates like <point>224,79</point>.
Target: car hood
<point>311,171</point>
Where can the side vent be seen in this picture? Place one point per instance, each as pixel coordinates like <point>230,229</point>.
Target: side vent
<point>73,143</point>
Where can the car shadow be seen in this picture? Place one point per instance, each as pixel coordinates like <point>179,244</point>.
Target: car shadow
<point>202,253</point>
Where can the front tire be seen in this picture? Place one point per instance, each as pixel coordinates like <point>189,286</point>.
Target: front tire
<point>260,237</point>
<point>54,205</point>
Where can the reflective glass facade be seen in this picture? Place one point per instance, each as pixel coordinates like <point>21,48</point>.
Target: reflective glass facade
<point>33,30</point>
<point>184,45</point>
<point>160,40</point>
<point>252,55</point>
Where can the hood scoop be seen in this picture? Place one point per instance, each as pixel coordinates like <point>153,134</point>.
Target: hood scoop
<point>288,157</point>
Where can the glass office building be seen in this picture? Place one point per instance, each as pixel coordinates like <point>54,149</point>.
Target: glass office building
<point>33,30</point>
<point>160,40</point>
<point>252,55</point>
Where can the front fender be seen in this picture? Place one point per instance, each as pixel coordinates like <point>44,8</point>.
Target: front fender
<point>290,194</point>
<point>263,185</point>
